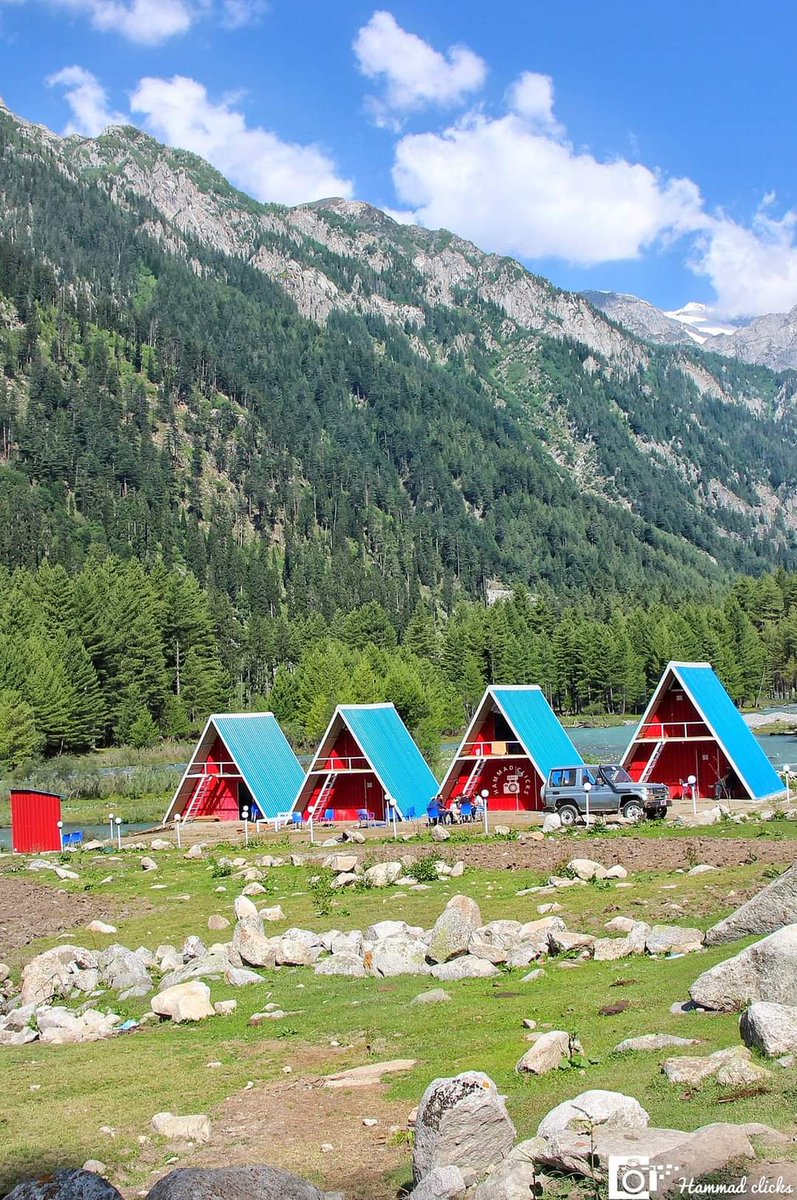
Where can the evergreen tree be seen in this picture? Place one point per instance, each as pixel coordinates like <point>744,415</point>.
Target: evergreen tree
<point>20,741</point>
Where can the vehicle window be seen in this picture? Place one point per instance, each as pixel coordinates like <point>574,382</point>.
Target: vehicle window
<point>588,776</point>
<point>569,778</point>
<point>556,778</point>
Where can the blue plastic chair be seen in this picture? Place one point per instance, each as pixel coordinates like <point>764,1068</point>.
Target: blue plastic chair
<point>296,818</point>
<point>466,810</point>
<point>329,816</point>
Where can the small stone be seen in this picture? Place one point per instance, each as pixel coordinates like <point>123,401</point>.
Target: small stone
<point>194,1128</point>
<point>225,1008</point>
<point>369,1122</point>
<point>218,922</point>
<point>327,1147</point>
<point>100,927</point>
<point>148,864</point>
<point>95,1166</point>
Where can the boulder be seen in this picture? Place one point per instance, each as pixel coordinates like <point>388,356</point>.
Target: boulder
<point>466,967</point>
<point>513,1179</point>
<point>453,928</point>
<point>547,1053</point>
<point>433,996</point>
<point>398,955</point>
<point>494,941</point>
<point>766,912</point>
<point>65,1185</point>
<point>586,868</point>
<point>194,851</point>
<point>610,949</point>
<point>184,1002</point>
<point>770,1028</point>
<point>368,1075</point>
<point>443,1183</point>
<point>193,1128</point>
<point>611,1109</point>
<point>59,1026</point>
<point>210,966</point>
<point>462,1122</point>
<point>296,951</point>
<point>234,1183</point>
<point>673,939</point>
<point>739,1073</point>
<point>383,874</point>
<point>342,964</point>
<point>342,863</point>
<point>54,973</point>
<point>253,946</point>
<point>124,971</point>
<point>695,1070</point>
<point>160,844</point>
<point>225,1008</point>
<point>440,833</point>
<point>193,947</point>
<point>148,864</point>
<point>620,924</point>
<point>100,927</point>
<point>216,921</point>
<point>552,823</point>
<point>245,910</point>
<point>767,970</point>
<point>653,1041</point>
<point>562,941</point>
<point>241,977</point>
<point>384,929</point>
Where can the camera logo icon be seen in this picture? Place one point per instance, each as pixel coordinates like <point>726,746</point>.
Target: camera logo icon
<point>635,1177</point>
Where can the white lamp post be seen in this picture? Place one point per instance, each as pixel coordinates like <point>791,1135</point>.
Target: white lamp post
<point>787,773</point>
<point>177,822</point>
<point>587,790</point>
<point>485,798</point>
<point>692,780</point>
<point>391,808</point>
<point>245,815</point>
<point>118,822</point>
<point>60,825</point>
<point>110,822</point>
<point>312,829</point>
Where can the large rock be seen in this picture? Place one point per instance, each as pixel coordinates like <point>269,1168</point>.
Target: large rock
<point>461,1122</point>
<point>195,1127</point>
<point>767,970</point>
<point>766,912</point>
<point>443,1183</point>
<point>495,940</point>
<point>399,955</point>
<point>770,1028</point>
<point>234,1183</point>
<point>513,1179</point>
<point>611,1109</point>
<point>673,939</point>
<point>453,928</point>
<point>55,973</point>
<point>209,966</point>
<point>653,1041</point>
<point>586,868</point>
<point>342,964</point>
<point>65,1185</point>
<point>552,823</point>
<point>59,1026</point>
<point>695,1070</point>
<point>124,971</point>
<point>184,1002</point>
<point>253,946</point>
<point>466,967</point>
<point>383,874</point>
<point>547,1053</point>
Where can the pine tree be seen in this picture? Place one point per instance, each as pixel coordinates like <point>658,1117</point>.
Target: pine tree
<point>143,731</point>
<point>87,714</point>
<point>20,741</point>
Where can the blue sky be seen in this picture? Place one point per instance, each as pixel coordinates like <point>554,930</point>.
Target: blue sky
<point>618,145</point>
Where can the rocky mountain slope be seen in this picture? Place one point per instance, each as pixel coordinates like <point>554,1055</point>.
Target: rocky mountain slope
<point>506,427</point>
<point>769,341</point>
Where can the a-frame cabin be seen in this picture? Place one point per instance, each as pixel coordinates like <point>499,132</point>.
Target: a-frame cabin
<point>513,741</point>
<point>692,727</point>
<point>241,760</point>
<point>366,755</point>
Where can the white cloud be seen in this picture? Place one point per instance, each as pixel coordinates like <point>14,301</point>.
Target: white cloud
<point>179,111</point>
<point>88,100</point>
<point>148,22</point>
<point>238,13</point>
<point>415,75</point>
<point>512,185</point>
<point>753,271</point>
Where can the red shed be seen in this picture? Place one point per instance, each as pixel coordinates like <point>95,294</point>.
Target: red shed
<point>34,821</point>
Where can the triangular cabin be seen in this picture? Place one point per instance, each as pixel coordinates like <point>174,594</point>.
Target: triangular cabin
<point>513,741</point>
<point>692,727</point>
<point>366,755</point>
<point>241,760</point>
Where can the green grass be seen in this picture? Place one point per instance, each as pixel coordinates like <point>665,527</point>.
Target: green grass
<point>123,1082</point>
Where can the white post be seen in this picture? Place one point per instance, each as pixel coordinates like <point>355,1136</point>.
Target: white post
<point>110,822</point>
<point>587,790</point>
<point>246,824</point>
<point>119,832</point>
<point>787,773</point>
<point>692,781</point>
<point>60,825</point>
<point>312,833</point>
<point>390,802</point>
<point>177,821</point>
<point>485,798</point>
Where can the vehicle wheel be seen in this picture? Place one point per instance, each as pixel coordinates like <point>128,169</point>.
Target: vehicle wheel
<point>568,815</point>
<point>659,814</point>
<point>633,810</point>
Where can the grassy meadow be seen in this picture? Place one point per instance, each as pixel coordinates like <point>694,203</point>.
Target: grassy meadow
<point>56,1099</point>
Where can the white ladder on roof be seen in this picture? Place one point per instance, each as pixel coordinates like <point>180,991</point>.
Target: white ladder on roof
<point>323,795</point>
<point>199,792</point>
<point>650,764</point>
<point>474,777</point>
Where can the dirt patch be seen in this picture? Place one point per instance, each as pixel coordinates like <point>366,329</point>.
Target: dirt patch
<point>285,1122</point>
<point>31,910</point>
<point>635,854</point>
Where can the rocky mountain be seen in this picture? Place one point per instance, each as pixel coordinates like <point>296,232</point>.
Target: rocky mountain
<point>374,403</point>
<point>769,341</point>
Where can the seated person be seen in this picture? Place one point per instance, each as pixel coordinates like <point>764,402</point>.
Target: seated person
<point>456,812</point>
<point>466,811</point>
<point>433,810</point>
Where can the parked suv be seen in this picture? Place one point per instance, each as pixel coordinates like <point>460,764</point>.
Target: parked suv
<point>612,790</point>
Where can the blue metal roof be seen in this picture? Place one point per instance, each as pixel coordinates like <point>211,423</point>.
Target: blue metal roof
<point>537,727</point>
<point>729,727</point>
<point>262,754</point>
<point>397,762</point>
